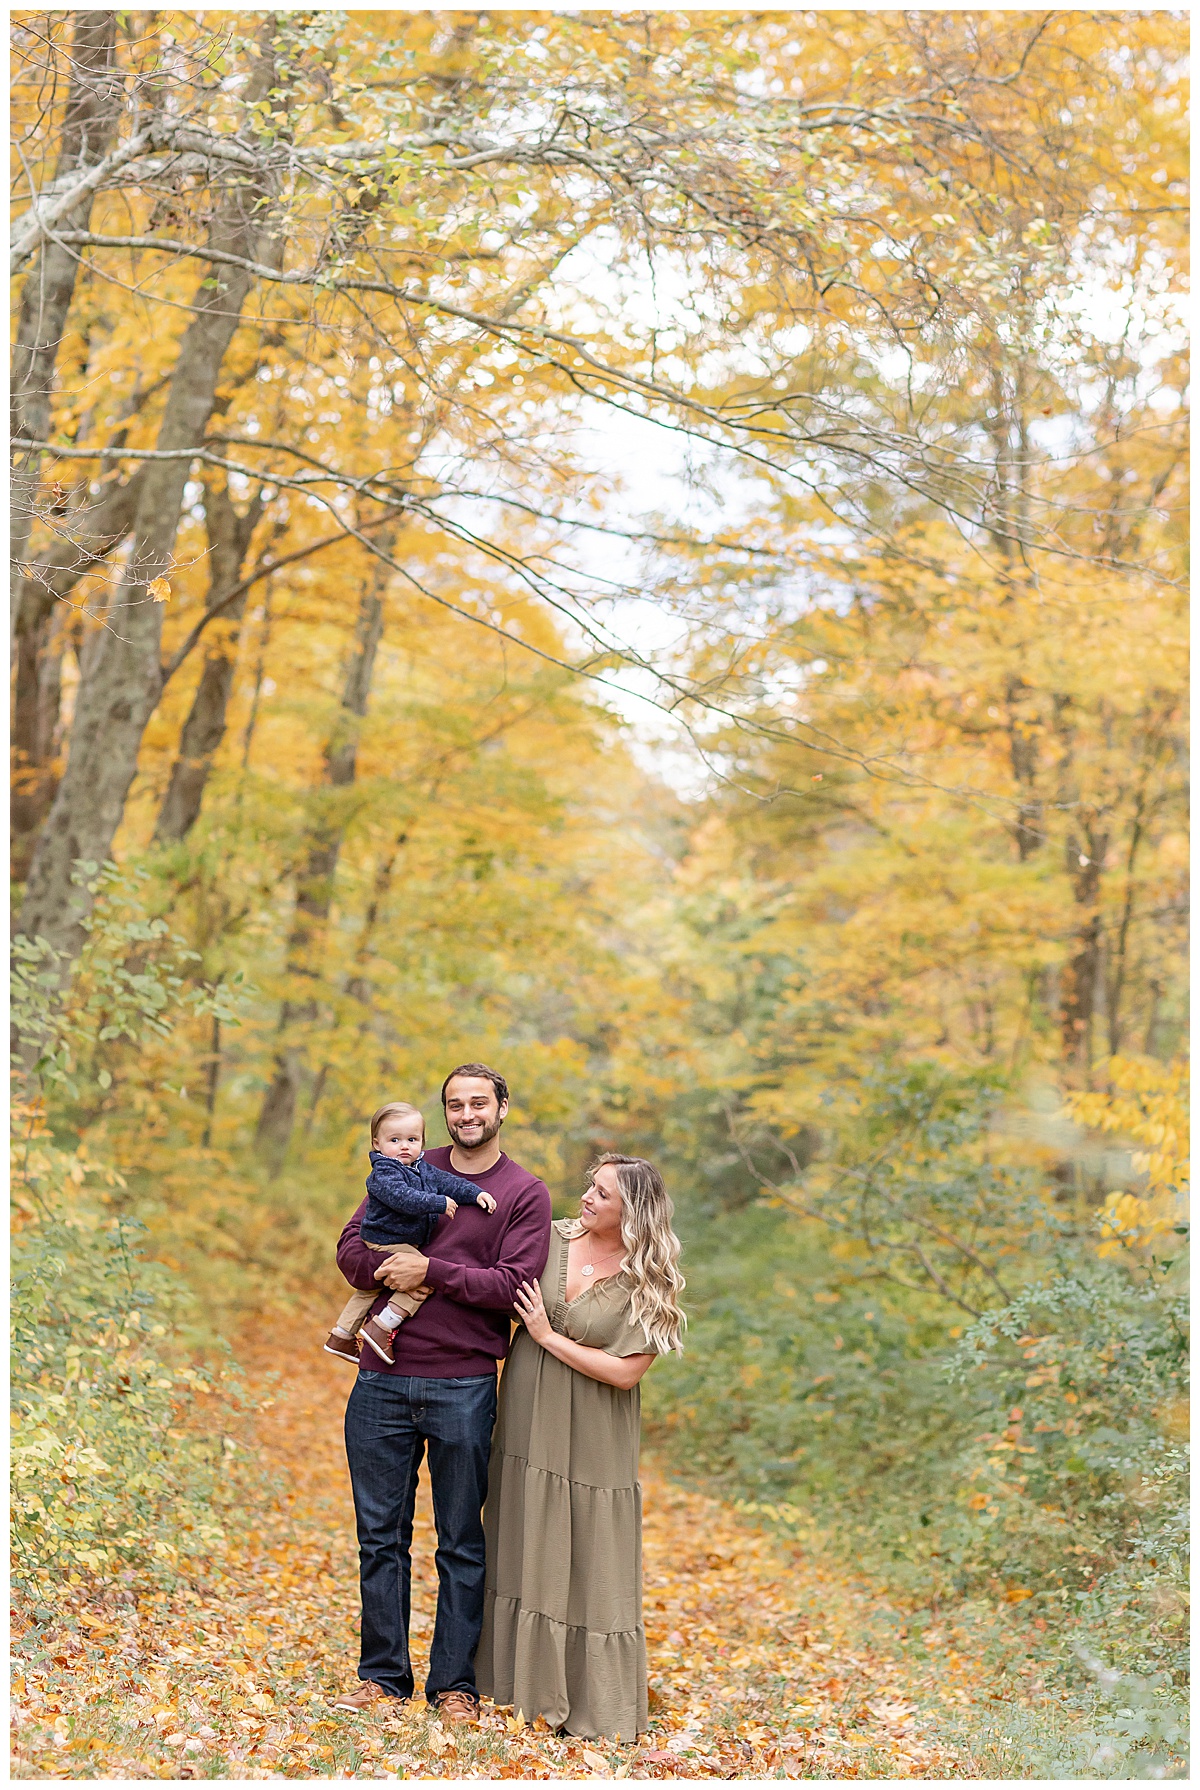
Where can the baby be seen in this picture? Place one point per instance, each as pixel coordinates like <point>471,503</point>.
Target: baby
<point>405,1198</point>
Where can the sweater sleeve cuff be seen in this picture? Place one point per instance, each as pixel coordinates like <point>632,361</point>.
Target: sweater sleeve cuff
<point>436,1273</point>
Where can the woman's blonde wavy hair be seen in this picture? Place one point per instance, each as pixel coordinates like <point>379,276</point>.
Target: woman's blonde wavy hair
<point>651,1250</point>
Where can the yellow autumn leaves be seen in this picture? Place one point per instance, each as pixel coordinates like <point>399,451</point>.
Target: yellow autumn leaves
<point>1147,1104</point>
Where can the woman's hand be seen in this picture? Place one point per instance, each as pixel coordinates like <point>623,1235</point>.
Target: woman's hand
<point>611,1370</point>
<point>532,1312</point>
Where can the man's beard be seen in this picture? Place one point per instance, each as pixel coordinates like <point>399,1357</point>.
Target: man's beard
<point>489,1132</point>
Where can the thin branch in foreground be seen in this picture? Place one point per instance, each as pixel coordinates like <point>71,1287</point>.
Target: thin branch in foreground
<point>877,767</point>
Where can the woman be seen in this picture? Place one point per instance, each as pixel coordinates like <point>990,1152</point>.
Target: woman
<point>562,1630</point>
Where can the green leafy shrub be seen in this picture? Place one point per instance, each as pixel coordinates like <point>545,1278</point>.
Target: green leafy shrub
<point>125,1450</point>
<point>1034,1477</point>
<point>121,1455</point>
<point>1133,1728</point>
<point>1080,1489</point>
<point>79,1023</point>
<point>807,1390</point>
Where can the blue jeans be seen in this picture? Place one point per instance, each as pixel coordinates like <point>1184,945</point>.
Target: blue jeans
<point>389,1420</point>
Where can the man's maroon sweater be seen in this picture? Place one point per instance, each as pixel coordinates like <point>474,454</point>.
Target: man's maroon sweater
<point>476,1263</point>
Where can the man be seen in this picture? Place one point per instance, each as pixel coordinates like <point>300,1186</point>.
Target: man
<point>440,1392</point>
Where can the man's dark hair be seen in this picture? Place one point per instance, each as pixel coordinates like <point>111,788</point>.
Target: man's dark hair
<point>481,1069</point>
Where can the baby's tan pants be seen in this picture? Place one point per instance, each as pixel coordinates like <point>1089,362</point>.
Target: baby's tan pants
<point>358,1305</point>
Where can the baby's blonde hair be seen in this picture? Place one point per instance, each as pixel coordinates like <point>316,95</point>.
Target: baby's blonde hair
<point>401,1109</point>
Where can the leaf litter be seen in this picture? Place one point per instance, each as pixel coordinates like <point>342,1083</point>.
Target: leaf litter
<point>763,1661</point>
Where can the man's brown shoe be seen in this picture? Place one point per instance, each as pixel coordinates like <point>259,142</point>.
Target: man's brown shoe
<point>344,1347</point>
<point>364,1696</point>
<point>458,1707</point>
<point>380,1340</point>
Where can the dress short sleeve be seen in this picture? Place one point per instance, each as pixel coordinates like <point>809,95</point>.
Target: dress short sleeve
<point>602,1318</point>
<point>633,1341</point>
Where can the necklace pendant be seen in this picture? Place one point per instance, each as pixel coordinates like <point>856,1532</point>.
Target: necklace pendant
<point>588,1270</point>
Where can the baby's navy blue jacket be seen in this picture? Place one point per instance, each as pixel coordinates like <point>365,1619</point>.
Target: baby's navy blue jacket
<point>406,1199</point>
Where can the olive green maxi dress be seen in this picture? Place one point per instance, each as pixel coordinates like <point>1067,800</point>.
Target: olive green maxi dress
<point>562,1629</point>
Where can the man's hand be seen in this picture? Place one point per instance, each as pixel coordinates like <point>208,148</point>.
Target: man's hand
<point>404,1270</point>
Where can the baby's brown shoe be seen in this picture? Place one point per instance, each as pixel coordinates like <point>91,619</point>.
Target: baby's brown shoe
<point>380,1340</point>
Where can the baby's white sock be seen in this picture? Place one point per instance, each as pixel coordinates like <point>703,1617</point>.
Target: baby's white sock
<point>391,1320</point>
<point>338,1331</point>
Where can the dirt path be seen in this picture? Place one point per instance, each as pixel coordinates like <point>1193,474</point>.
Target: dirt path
<point>761,1663</point>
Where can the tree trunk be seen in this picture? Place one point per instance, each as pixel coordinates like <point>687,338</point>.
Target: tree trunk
<point>42,589</point>
<point>1080,983</point>
<point>212,1077</point>
<point>1120,949</point>
<point>229,536</point>
<point>358,987</point>
<point>314,886</point>
<point>125,677</point>
<point>89,124</point>
<point>35,771</point>
<point>1028,830</point>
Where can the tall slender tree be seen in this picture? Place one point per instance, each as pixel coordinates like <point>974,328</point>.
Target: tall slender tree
<point>319,852</point>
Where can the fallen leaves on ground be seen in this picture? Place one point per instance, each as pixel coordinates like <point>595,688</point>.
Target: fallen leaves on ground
<point>763,1663</point>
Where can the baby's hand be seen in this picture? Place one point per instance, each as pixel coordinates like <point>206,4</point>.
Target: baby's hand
<point>487,1202</point>
<point>451,1206</point>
